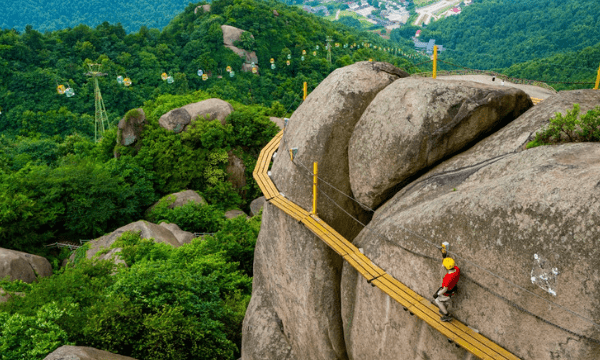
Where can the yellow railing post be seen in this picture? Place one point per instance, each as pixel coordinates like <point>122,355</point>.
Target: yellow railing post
<point>597,80</point>
<point>314,209</point>
<point>434,61</point>
<point>305,89</point>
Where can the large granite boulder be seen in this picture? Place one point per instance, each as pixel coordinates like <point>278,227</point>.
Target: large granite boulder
<point>178,120</point>
<point>179,199</point>
<point>515,136</point>
<point>6,296</point>
<point>231,214</point>
<point>295,273</point>
<point>184,237</point>
<point>209,109</point>
<point>236,171</point>
<point>280,122</point>
<point>175,120</point>
<point>321,129</point>
<point>202,9</point>
<point>131,127</point>
<point>416,122</point>
<point>543,201</point>
<point>495,202</point>
<point>230,36</point>
<point>257,205</point>
<point>68,352</point>
<point>147,230</point>
<point>22,266</point>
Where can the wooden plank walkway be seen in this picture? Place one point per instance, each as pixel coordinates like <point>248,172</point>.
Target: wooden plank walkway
<point>456,331</point>
<point>536,101</point>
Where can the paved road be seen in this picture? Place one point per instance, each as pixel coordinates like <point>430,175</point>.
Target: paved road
<point>532,91</point>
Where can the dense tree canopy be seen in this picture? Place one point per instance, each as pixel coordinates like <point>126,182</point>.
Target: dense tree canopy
<point>50,15</point>
<point>496,34</point>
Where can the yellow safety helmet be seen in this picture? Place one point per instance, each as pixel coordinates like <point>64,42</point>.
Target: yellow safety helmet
<point>448,263</point>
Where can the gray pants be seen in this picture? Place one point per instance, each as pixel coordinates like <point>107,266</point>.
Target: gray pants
<point>443,302</point>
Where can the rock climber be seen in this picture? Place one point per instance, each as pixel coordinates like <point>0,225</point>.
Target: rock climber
<point>442,297</point>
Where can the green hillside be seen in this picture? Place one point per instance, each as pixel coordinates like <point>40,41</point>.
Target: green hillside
<point>58,184</point>
<point>495,34</point>
<point>50,15</point>
<point>569,70</point>
<point>34,64</point>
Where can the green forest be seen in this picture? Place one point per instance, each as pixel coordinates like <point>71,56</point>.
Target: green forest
<point>51,15</point>
<point>58,184</point>
<point>497,34</point>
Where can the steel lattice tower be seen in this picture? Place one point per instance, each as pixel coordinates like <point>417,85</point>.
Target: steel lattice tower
<point>101,118</point>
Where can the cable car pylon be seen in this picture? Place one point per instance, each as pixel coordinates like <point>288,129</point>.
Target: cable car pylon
<point>100,117</point>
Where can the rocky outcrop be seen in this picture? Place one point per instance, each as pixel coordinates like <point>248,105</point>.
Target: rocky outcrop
<point>22,266</point>
<point>184,237</point>
<point>321,129</point>
<point>147,230</point>
<point>543,201</point>
<point>177,120</point>
<point>280,122</point>
<point>202,9</point>
<point>131,127</point>
<point>179,199</point>
<point>495,202</point>
<point>515,136</point>
<point>416,122</point>
<point>230,36</point>
<point>257,205</point>
<point>236,171</point>
<point>68,352</point>
<point>234,213</point>
<point>5,296</point>
<point>209,109</point>
<point>302,305</point>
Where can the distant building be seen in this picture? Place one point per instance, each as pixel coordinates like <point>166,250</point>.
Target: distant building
<point>418,33</point>
<point>427,46</point>
<point>316,9</point>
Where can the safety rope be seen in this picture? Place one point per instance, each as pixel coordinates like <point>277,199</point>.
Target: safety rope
<point>308,173</point>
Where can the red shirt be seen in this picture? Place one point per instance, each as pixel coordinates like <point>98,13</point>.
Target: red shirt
<point>451,279</point>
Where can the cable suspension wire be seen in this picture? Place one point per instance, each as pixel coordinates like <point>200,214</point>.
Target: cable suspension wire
<point>309,174</point>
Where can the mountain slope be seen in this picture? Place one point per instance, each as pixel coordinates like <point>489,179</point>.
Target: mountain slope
<point>52,15</point>
<point>499,33</point>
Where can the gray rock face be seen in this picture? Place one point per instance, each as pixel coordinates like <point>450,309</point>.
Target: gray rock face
<point>236,171</point>
<point>209,109</point>
<point>496,203</point>
<point>296,276</point>
<point>280,122</point>
<point>131,127</point>
<point>321,129</point>
<point>22,266</point>
<point>175,120</point>
<point>294,312</point>
<point>543,201</point>
<point>256,205</point>
<point>184,237</point>
<point>515,136</point>
<point>68,352</point>
<point>416,122</point>
<point>147,230</point>
<point>202,9</point>
<point>234,213</point>
<point>230,36</point>
<point>4,296</point>
<point>181,198</point>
